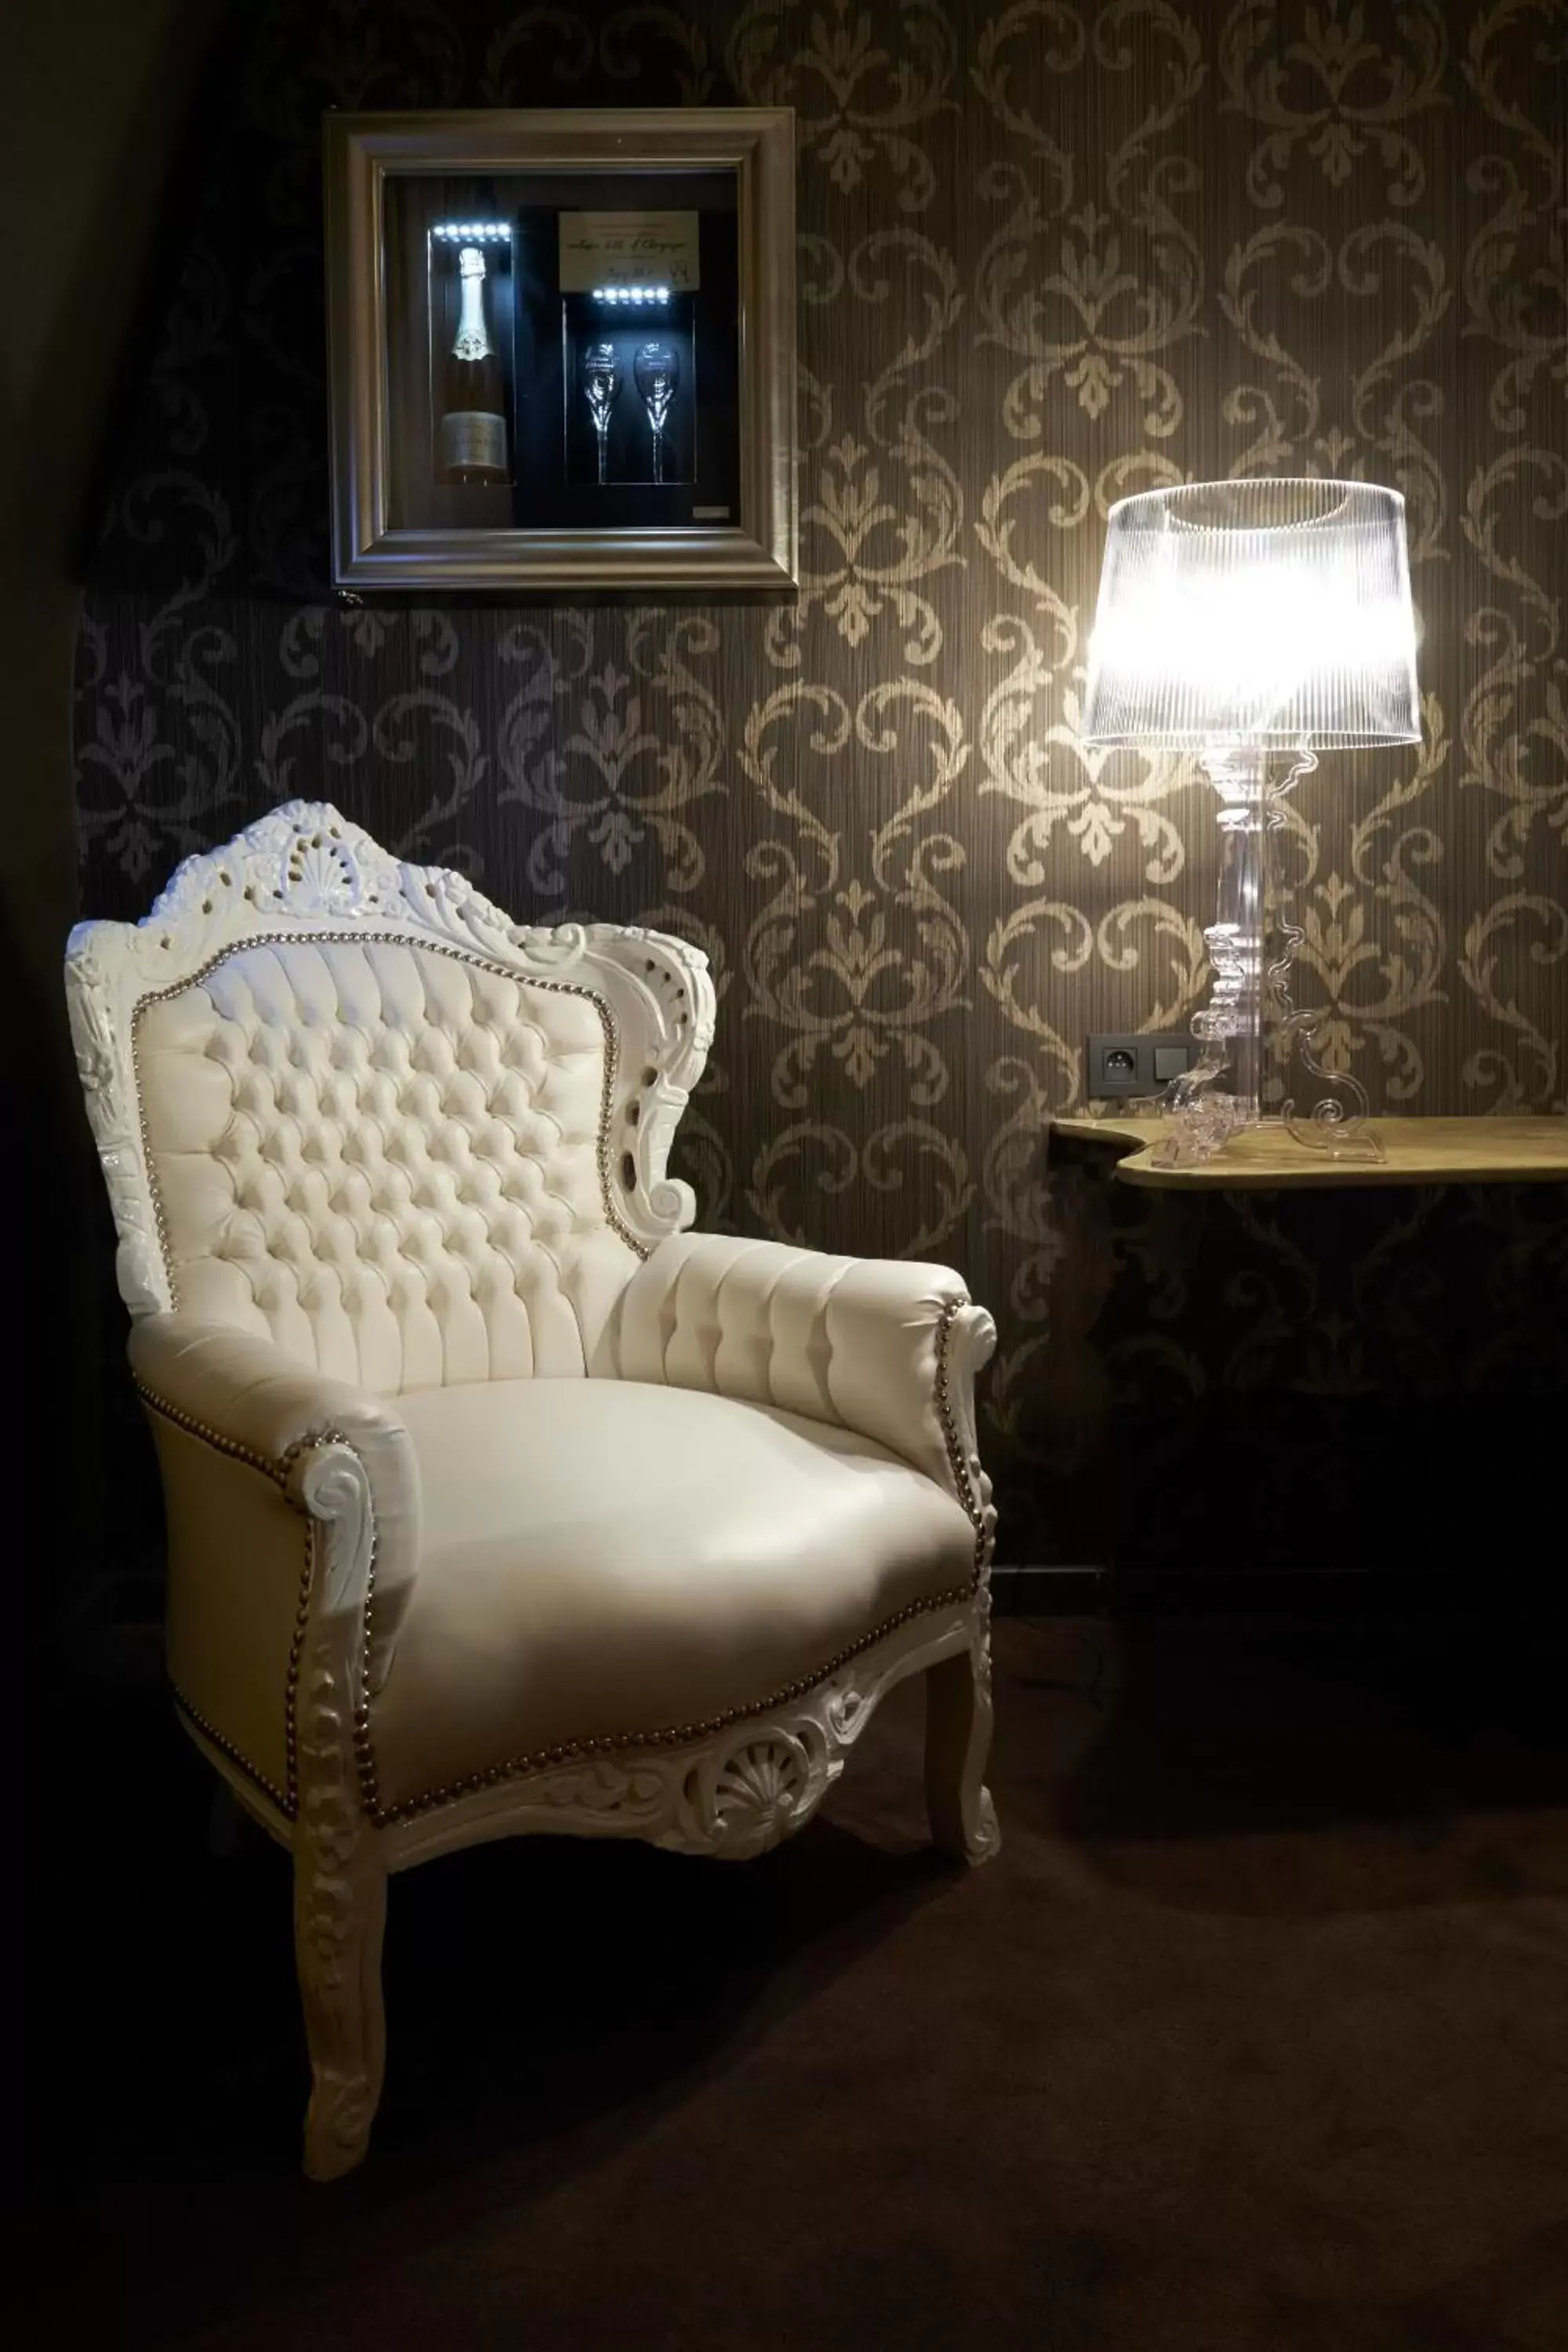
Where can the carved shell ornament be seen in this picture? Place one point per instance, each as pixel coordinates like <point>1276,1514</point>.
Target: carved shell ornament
<point>307,862</point>
<point>760,1789</point>
<point>320,874</point>
<point>302,859</point>
<point>305,868</point>
<point>765,1777</point>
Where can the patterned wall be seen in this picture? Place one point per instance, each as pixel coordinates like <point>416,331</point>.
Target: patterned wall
<point>1050,251</point>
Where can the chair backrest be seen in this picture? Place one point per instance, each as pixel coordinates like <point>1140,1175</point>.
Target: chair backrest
<point>345,1102</point>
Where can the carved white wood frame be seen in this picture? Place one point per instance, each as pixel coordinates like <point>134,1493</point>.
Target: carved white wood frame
<point>733,1795</point>
<point>734,1792</point>
<point>305,871</point>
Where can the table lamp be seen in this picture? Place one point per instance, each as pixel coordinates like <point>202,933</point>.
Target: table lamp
<point>1255,622</point>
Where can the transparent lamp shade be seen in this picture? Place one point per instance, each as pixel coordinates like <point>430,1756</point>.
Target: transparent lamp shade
<point>1255,612</point>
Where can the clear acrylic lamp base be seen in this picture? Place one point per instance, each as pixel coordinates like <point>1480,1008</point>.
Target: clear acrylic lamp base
<point>1256,617</point>
<point>1252,947</point>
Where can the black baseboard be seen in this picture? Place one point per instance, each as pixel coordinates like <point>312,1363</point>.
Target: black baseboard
<point>1466,1588</point>
<point>1461,1587</point>
<point>1050,1591</point>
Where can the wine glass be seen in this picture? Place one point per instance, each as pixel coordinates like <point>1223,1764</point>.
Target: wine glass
<point>599,373</point>
<point>657,374</point>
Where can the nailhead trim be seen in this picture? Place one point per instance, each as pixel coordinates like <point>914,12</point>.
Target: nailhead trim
<point>514,1768</point>
<point>676,1736</point>
<point>277,1467</point>
<point>285,1805</point>
<point>364,1752</point>
<point>292,1676</point>
<point>680,1735</point>
<point>952,1437</point>
<point>386,939</point>
<point>272,1465</point>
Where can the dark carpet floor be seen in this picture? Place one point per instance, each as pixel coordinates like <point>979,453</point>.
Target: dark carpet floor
<point>1255,2036</point>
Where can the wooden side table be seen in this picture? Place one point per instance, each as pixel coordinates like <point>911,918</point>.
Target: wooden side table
<point>1416,1151</point>
<point>1253,1381</point>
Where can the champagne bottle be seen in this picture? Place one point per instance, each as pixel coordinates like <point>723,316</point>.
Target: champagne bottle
<point>473,437</point>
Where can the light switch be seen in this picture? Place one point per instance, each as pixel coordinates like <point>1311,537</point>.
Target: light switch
<point>1169,1061</point>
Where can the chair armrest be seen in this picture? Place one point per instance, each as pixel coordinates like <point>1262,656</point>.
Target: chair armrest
<point>250,1399</point>
<point>883,1346</point>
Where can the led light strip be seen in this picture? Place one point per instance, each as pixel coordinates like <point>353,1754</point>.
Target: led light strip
<point>634,294</point>
<point>495,232</point>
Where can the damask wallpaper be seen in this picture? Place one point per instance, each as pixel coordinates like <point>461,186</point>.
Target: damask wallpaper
<point>1050,251</point>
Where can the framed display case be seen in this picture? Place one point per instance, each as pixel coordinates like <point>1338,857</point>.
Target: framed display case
<point>562,350</point>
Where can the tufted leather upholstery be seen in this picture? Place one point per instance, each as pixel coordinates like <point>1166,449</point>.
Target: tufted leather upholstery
<point>385,1157</point>
<point>850,1341</point>
<point>377,1159</point>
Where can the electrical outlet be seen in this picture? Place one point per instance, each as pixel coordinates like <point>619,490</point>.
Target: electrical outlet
<point>1136,1064</point>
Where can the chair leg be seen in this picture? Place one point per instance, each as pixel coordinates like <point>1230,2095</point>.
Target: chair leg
<point>339,1913</point>
<point>958,1741</point>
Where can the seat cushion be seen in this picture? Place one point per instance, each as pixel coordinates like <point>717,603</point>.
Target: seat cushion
<point>603,1558</point>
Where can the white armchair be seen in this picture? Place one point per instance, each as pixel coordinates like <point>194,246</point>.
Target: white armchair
<point>495,1502</point>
